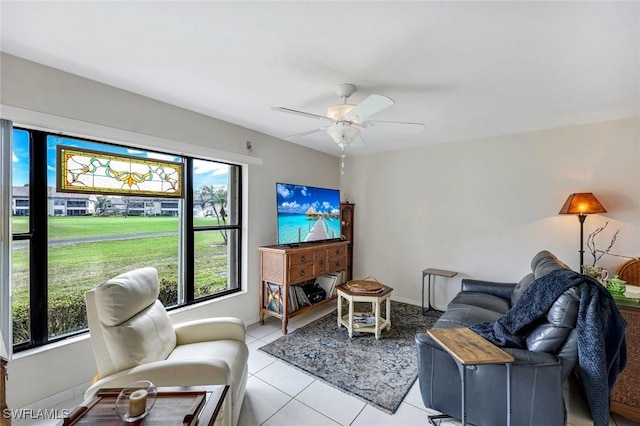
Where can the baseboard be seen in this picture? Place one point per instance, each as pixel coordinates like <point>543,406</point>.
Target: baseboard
<point>415,302</point>
<point>74,393</point>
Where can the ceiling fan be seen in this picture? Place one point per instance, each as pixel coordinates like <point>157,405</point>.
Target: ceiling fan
<point>345,121</point>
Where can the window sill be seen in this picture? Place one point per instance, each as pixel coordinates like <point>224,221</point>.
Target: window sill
<point>85,336</point>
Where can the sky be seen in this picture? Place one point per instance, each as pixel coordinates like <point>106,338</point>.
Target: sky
<point>297,199</point>
<point>205,172</point>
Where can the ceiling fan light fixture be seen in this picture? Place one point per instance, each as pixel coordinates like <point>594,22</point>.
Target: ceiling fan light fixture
<point>343,133</point>
<point>346,121</point>
<point>339,112</point>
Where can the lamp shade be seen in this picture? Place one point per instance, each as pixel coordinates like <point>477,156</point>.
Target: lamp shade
<point>582,203</point>
<point>343,133</point>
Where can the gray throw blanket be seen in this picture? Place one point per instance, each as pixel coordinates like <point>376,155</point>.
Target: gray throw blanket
<point>602,351</point>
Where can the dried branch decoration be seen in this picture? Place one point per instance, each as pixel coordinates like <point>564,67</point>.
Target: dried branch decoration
<point>591,243</point>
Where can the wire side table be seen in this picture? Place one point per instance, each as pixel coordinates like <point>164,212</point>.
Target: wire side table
<point>470,350</point>
<point>430,272</point>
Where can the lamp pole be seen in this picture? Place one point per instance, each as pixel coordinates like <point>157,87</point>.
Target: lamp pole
<point>581,218</point>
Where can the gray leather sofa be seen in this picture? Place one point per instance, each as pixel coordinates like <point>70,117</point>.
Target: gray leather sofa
<point>538,372</point>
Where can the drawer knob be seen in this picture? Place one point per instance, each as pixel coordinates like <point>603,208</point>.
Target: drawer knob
<point>303,258</point>
<point>302,273</point>
<point>321,262</point>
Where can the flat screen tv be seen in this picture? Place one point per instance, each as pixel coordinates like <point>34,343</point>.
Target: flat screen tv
<point>307,213</point>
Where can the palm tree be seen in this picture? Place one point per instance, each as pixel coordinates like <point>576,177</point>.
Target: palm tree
<point>216,196</point>
<point>104,204</point>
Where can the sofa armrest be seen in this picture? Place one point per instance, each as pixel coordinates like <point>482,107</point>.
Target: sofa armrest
<point>181,372</point>
<point>210,329</point>
<point>532,358</point>
<point>522,357</point>
<point>502,290</point>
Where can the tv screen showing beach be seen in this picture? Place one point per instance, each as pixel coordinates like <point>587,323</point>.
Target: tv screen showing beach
<point>306,213</point>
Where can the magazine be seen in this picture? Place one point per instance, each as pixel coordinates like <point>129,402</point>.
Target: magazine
<point>364,319</point>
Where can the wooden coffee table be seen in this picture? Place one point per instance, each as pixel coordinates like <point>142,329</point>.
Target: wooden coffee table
<point>375,299</point>
<point>179,405</point>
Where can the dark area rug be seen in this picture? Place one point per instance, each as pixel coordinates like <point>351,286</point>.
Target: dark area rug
<point>379,372</point>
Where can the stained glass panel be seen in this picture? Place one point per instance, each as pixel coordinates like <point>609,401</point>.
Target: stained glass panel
<point>94,172</point>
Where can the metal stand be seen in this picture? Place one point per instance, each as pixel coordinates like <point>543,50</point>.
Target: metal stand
<point>437,417</point>
<point>429,273</point>
<point>468,351</point>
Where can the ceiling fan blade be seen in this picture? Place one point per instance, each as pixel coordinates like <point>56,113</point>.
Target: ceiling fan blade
<point>308,132</point>
<point>302,113</point>
<point>371,105</point>
<point>394,126</point>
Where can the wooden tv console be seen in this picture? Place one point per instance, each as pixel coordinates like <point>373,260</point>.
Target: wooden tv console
<point>284,266</point>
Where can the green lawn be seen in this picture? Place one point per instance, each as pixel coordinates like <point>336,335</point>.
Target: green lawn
<point>70,227</point>
<point>85,264</point>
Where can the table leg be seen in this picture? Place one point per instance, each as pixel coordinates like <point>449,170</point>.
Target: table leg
<point>377,318</point>
<point>508,394</point>
<point>428,295</point>
<point>262,302</point>
<point>389,312</point>
<point>463,376</point>
<point>429,298</point>
<point>339,310</point>
<point>350,317</point>
<point>284,296</point>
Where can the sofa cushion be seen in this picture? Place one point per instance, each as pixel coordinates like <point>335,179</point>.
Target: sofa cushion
<point>521,287</point>
<point>541,264</point>
<point>559,322</point>
<point>545,262</point>
<point>466,316</point>
<point>480,300</point>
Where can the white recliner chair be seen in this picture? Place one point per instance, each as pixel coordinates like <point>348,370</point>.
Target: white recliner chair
<point>134,339</point>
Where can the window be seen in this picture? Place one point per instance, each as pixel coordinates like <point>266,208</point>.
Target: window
<point>97,227</point>
<point>216,226</point>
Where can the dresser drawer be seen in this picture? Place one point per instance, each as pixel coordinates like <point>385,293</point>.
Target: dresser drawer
<point>299,273</point>
<point>337,252</point>
<point>337,263</point>
<point>300,258</point>
<point>320,262</point>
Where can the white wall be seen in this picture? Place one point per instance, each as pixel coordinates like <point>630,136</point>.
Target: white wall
<point>485,207</point>
<point>482,208</point>
<point>38,95</point>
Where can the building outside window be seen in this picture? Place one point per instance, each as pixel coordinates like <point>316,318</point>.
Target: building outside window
<point>114,212</point>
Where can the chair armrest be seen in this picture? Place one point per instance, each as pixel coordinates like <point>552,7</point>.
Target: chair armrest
<point>502,290</point>
<point>210,329</point>
<point>181,372</point>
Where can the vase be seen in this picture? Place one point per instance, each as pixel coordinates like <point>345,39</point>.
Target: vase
<point>136,400</point>
<point>597,272</point>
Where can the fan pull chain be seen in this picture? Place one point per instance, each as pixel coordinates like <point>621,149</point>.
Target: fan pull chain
<point>342,156</point>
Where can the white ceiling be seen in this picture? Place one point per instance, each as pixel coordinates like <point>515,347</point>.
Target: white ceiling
<point>465,70</point>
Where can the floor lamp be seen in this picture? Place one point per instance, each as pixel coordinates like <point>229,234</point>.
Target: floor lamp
<point>582,204</point>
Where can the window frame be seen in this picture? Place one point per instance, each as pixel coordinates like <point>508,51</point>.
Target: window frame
<point>37,235</point>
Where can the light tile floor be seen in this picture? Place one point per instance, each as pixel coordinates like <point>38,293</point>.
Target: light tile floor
<point>279,395</point>
<point>293,397</point>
